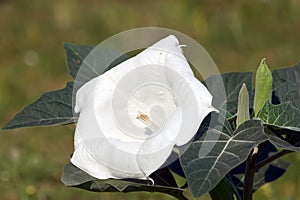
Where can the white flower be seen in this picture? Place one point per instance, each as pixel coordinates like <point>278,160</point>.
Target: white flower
<point>133,115</point>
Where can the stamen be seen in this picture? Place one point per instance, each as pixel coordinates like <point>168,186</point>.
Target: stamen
<point>147,121</point>
<point>142,117</point>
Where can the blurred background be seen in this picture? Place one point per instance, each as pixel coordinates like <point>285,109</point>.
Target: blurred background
<point>32,60</point>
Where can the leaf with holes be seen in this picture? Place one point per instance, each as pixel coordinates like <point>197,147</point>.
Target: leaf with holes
<point>210,158</point>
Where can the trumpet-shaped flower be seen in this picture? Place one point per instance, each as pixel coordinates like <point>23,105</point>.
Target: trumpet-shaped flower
<point>133,115</point>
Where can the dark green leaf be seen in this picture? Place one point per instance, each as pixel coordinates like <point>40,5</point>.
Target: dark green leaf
<point>55,107</point>
<point>281,143</point>
<point>284,116</point>
<point>286,84</point>
<point>52,108</point>
<point>222,191</point>
<point>74,177</point>
<point>210,158</point>
<point>292,137</point>
<point>233,83</point>
<point>164,177</point>
<point>86,62</point>
<point>285,137</point>
<point>75,56</point>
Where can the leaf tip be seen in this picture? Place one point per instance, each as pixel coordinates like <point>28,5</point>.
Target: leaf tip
<point>6,127</point>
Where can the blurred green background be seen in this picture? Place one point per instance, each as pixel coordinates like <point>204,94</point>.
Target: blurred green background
<point>32,60</point>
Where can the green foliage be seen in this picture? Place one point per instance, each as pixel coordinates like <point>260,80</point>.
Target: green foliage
<point>75,56</point>
<point>72,176</point>
<point>284,115</point>
<point>286,84</point>
<point>236,36</point>
<point>52,108</point>
<point>280,120</point>
<point>212,156</point>
<point>233,83</point>
<point>222,191</point>
<point>264,175</point>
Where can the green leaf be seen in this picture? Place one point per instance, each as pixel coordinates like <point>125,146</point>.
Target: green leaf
<point>286,84</point>
<point>210,158</point>
<point>75,56</point>
<point>282,118</point>
<point>281,143</point>
<point>284,115</point>
<point>222,191</point>
<point>52,108</point>
<point>55,107</point>
<point>84,66</point>
<point>74,177</point>
<point>232,83</point>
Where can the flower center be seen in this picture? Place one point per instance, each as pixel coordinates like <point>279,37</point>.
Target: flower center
<point>142,117</point>
<point>144,101</point>
<point>147,121</point>
<point>149,106</point>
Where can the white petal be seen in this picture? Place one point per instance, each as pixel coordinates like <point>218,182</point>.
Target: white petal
<point>175,101</point>
<point>194,97</point>
<point>86,126</point>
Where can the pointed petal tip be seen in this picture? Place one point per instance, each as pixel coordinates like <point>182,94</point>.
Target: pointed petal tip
<point>172,37</point>
<point>169,44</point>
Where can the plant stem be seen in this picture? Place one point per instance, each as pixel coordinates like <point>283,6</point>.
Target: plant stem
<point>249,176</point>
<point>252,167</point>
<point>271,158</point>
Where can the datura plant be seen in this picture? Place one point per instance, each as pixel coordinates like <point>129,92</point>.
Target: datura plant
<point>146,123</point>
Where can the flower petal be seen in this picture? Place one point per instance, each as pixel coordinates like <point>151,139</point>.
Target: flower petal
<point>132,116</point>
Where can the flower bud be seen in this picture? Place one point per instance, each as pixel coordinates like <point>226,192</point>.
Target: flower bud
<point>243,106</point>
<point>263,86</point>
